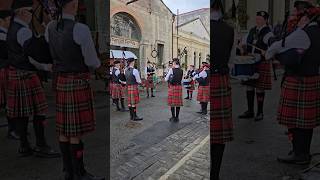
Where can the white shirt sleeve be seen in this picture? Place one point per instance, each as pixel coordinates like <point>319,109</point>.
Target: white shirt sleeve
<point>117,72</point>
<point>168,75</point>
<point>40,66</point>
<point>46,33</point>
<point>267,37</point>
<point>23,35</point>
<point>137,76</point>
<point>146,70</point>
<point>3,36</point>
<point>82,36</point>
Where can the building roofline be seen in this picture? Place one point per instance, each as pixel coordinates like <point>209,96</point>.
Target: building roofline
<point>195,20</point>
<point>167,7</point>
<point>201,9</point>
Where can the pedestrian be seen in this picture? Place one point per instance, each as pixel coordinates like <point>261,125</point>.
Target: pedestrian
<point>133,80</point>
<point>189,76</point>
<point>299,108</point>
<point>25,96</point>
<point>174,79</point>
<point>221,124</point>
<point>118,92</point>
<point>204,88</point>
<point>149,83</point>
<point>75,113</point>
<point>258,38</point>
<point>5,16</point>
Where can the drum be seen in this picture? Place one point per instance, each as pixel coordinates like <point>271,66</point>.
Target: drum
<point>187,82</point>
<point>245,67</point>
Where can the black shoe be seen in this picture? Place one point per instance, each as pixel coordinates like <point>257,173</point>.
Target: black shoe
<point>88,176</point>
<point>124,110</point>
<point>246,115</point>
<point>259,117</point>
<point>292,158</point>
<point>171,119</point>
<point>68,176</point>
<point>25,151</point>
<point>176,119</point>
<point>187,97</point>
<point>200,112</point>
<point>45,152</point>
<point>137,118</point>
<point>13,135</point>
<point>152,96</point>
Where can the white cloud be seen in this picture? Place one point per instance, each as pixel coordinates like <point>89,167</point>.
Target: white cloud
<point>186,5</point>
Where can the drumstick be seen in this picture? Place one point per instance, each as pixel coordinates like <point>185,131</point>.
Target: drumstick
<point>263,51</point>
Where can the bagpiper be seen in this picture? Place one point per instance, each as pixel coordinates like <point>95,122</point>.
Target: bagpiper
<point>5,16</point>
<point>256,43</point>
<point>25,96</point>
<point>299,108</point>
<point>174,79</point>
<point>221,124</point>
<point>133,80</point>
<point>190,74</point>
<point>203,96</point>
<point>149,84</point>
<point>75,113</point>
<point>118,91</point>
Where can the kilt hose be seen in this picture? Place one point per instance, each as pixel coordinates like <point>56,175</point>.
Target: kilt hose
<point>133,95</point>
<point>149,82</point>
<point>3,86</point>
<point>221,124</point>
<point>75,113</point>
<point>299,105</point>
<point>264,81</point>
<point>25,96</point>
<point>118,91</point>
<point>175,96</point>
<point>203,94</point>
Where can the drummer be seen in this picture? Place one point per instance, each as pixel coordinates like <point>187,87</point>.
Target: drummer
<point>190,74</point>
<point>256,41</point>
<point>149,72</point>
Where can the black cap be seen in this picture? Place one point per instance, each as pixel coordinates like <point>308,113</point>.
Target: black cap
<point>217,5</point>
<point>263,14</point>
<point>116,62</point>
<point>130,60</point>
<point>4,13</point>
<point>17,4</point>
<point>148,62</point>
<point>176,60</point>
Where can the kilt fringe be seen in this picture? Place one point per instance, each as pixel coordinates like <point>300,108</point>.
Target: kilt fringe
<point>221,124</point>
<point>175,96</point>
<point>299,105</point>
<point>74,105</point>
<point>203,94</point>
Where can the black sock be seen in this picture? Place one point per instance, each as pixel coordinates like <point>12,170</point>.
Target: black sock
<point>66,157</point>
<point>260,101</point>
<point>151,91</point>
<point>188,94</point>
<point>122,103</point>
<point>38,125</point>
<point>191,94</point>
<point>117,103</point>
<point>216,153</point>
<point>173,112</point>
<point>22,128</point>
<point>177,112</point>
<point>77,158</point>
<point>11,124</point>
<point>205,107</point>
<point>250,100</point>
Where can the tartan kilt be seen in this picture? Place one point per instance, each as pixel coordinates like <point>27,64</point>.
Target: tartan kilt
<point>203,94</point>
<point>192,87</point>
<point>221,124</point>
<point>175,96</point>
<point>75,114</point>
<point>110,87</point>
<point>3,86</point>
<point>118,91</point>
<point>25,95</point>
<point>299,105</point>
<point>149,82</point>
<point>264,81</point>
<point>133,94</point>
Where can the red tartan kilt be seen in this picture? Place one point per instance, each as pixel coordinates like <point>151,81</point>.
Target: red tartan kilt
<point>3,86</point>
<point>265,78</point>
<point>133,94</point>
<point>75,113</point>
<point>25,95</point>
<point>118,91</point>
<point>149,82</point>
<point>192,88</point>
<point>203,94</point>
<point>299,105</point>
<point>221,124</point>
<point>110,87</point>
<point>175,96</point>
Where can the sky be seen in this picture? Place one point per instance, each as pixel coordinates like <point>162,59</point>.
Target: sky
<point>186,5</point>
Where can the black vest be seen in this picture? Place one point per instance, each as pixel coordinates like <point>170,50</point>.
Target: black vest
<point>205,81</point>
<point>221,46</point>
<point>16,54</point>
<point>310,62</point>
<point>131,79</point>
<point>190,73</point>
<point>115,79</point>
<point>67,55</point>
<point>3,51</point>
<point>177,76</point>
<point>254,35</point>
<point>150,69</point>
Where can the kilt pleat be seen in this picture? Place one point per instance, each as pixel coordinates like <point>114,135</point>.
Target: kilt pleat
<point>133,94</point>
<point>149,82</point>
<point>299,105</point>
<point>74,105</point>
<point>175,96</point>
<point>3,86</point>
<point>118,91</point>
<point>265,80</point>
<point>221,124</point>
<point>203,94</point>
<point>25,95</point>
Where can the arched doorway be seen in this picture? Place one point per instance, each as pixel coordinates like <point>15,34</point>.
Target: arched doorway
<point>125,33</point>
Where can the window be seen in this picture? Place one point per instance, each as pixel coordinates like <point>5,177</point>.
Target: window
<point>124,25</point>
